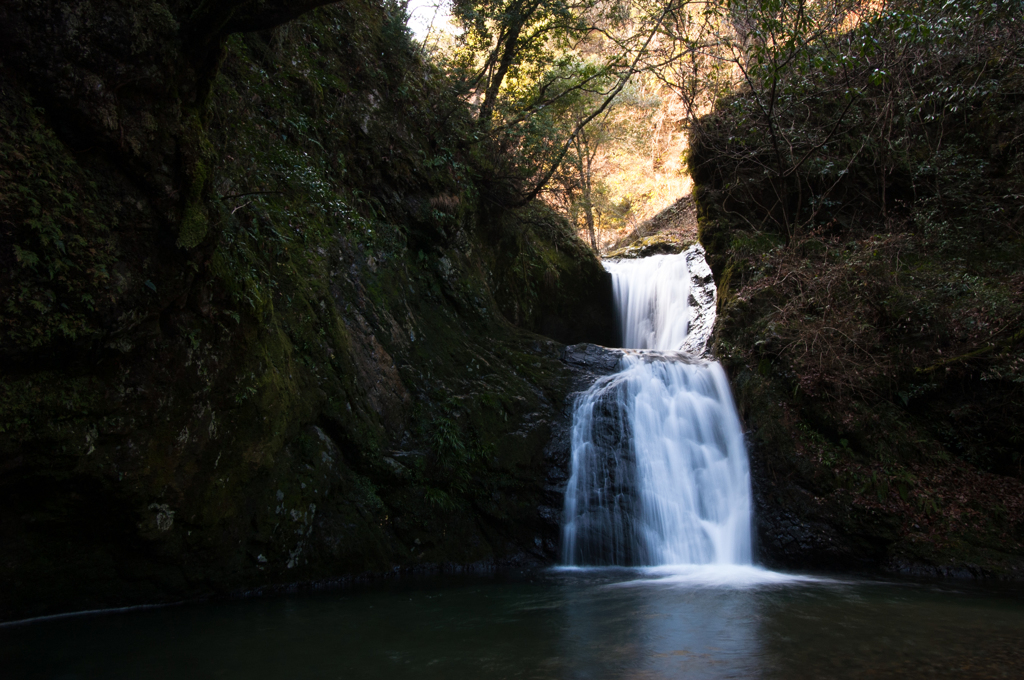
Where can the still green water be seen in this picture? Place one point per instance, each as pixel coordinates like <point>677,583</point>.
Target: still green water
<point>557,624</point>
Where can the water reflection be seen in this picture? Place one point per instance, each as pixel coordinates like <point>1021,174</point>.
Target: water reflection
<point>562,625</point>
<point>668,632</point>
<point>894,630</point>
<point>672,622</point>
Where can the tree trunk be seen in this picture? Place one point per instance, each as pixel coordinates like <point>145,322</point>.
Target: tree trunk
<point>508,54</point>
<point>588,204</point>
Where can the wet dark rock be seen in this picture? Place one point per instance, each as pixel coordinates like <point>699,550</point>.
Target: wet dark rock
<point>703,303</point>
<point>659,244</point>
<point>586,363</point>
<point>592,360</point>
<point>581,310</point>
<point>613,460</point>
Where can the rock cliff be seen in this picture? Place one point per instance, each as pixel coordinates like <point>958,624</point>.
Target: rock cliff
<point>259,321</point>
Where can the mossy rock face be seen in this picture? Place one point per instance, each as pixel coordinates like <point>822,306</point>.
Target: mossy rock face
<point>659,244</point>
<point>325,379</point>
<point>546,279</point>
<point>677,222</point>
<point>877,353</point>
<point>864,455</point>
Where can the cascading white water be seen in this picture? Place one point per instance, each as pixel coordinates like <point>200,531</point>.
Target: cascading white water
<point>659,467</point>
<point>652,298</point>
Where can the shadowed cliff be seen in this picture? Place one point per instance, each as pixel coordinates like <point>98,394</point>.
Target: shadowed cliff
<point>258,320</point>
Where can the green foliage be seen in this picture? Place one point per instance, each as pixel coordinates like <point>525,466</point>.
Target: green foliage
<point>55,244</point>
<point>446,443</point>
<point>909,113</point>
<point>440,500</point>
<point>538,73</point>
<point>507,47</point>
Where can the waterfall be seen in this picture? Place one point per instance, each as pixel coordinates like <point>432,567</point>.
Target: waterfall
<point>651,297</point>
<point>659,468</point>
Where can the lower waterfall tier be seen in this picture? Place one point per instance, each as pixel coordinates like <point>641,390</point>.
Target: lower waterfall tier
<point>659,468</point>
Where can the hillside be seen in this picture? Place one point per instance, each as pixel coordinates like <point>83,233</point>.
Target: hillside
<point>871,297</point>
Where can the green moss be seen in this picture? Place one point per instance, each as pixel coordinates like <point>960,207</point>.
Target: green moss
<point>194,223</point>
<point>198,153</point>
<point>54,233</point>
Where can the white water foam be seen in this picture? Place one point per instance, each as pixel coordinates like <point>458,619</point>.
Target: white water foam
<point>699,576</point>
<point>718,576</point>
<point>652,300</point>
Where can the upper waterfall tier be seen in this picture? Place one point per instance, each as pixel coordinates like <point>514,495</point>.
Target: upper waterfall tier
<point>665,302</point>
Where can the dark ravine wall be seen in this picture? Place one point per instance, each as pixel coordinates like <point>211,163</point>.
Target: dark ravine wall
<point>256,326</point>
<point>902,468</point>
<point>876,346</point>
